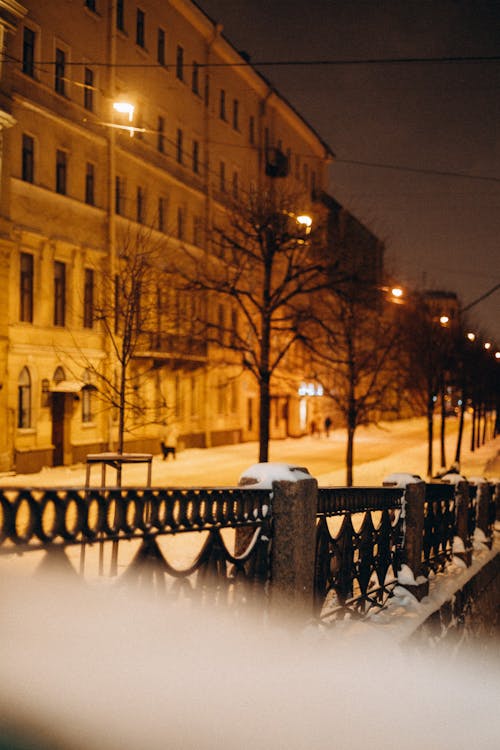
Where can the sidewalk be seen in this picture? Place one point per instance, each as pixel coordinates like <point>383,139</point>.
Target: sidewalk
<point>378,451</point>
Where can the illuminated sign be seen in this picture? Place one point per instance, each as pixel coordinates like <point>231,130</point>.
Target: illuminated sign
<point>310,389</point>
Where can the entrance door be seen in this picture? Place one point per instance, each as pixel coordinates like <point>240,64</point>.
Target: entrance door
<point>58,428</point>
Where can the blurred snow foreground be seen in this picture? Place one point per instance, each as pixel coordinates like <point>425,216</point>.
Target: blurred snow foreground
<point>84,668</point>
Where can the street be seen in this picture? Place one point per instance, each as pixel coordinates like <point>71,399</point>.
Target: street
<point>379,450</point>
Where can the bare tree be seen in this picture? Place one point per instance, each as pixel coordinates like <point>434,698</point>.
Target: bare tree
<point>354,353</point>
<point>127,310</point>
<point>266,264</point>
<point>429,346</point>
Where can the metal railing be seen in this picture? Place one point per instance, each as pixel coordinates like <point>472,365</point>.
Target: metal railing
<point>52,520</point>
<point>357,558</point>
<point>362,537</point>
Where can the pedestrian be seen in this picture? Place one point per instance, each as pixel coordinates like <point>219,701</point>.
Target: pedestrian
<point>313,428</point>
<point>328,424</point>
<point>168,443</point>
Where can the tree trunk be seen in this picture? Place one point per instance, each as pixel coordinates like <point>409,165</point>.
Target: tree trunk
<point>430,433</point>
<point>264,409</point>
<point>443,427</point>
<point>460,429</point>
<point>350,456</point>
<point>473,433</point>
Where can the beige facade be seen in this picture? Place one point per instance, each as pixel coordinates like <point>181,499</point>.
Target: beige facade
<point>206,129</point>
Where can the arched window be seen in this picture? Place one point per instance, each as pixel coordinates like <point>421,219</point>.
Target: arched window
<point>87,389</point>
<point>24,399</point>
<point>59,375</point>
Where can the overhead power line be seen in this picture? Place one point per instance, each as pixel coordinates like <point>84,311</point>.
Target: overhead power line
<point>281,63</point>
<point>481,298</point>
<point>417,170</point>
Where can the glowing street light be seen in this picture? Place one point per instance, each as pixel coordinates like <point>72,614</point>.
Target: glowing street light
<point>305,222</point>
<point>124,108</point>
<point>444,320</point>
<point>471,336</point>
<point>487,345</point>
<point>497,355</point>
<point>397,292</point>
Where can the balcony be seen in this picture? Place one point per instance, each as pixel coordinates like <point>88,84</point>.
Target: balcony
<point>181,350</point>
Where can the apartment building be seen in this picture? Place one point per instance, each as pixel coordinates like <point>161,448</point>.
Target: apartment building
<point>118,114</point>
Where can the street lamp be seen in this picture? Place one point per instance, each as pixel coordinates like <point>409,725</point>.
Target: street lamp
<point>125,108</point>
<point>397,292</point>
<point>444,320</point>
<point>487,345</point>
<point>305,222</point>
<point>471,336</point>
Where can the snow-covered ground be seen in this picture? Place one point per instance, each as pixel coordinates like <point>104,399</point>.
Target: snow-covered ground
<point>83,668</point>
<point>379,450</point>
<point>100,667</point>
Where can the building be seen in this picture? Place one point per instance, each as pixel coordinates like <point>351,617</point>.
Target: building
<point>119,114</point>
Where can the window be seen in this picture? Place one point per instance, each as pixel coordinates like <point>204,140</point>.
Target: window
<point>196,157</point>
<point>193,399</point>
<point>26,288</point>
<point>180,223</point>
<point>234,327</point>
<point>28,159</point>
<point>140,28</point>
<point>160,143</point>
<point>61,172</point>
<point>29,38</point>
<point>305,174</point>
<point>87,415</point>
<point>179,146</point>
<point>90,184</point>
<point>24,399</point>
<point>222,104</point>
<point>162,213</point>
<point>222,177</point>
<point>140,205</point>
<point>60,72</point>
<point>59,293</point>
<point>90,4</point>
<point>207,90</point>
<point>235,186</point>
<point>88,91</point>
<point>221,324</point>
<point>236,113</point>
<point>160,47</point>
<point>45,394</point>
<point>119,195</point>
<point>120,15</point>
<point>179,66</point>
<point>88,299</point>
<point>198,231</point>
<point>251,130</point>
<point>195,79</point>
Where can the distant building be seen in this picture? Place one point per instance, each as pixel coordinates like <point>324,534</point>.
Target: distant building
<point>75,170</point>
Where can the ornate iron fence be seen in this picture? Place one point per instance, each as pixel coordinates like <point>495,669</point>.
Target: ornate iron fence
<point>357,557</point>
<point>53,520</point>
<point>439,526</point>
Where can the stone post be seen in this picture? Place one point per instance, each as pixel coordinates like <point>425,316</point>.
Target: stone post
<point>462,549</point>
<point>484,491</point>
<point>293,548</point>
<point>414,533</point>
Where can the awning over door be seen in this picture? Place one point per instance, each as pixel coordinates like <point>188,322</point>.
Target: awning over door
<point>70,386</point>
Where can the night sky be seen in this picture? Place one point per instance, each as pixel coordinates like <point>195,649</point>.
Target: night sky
<point>441,232</point>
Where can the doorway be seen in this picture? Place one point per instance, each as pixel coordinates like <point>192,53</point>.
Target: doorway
<point>58,428</point>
